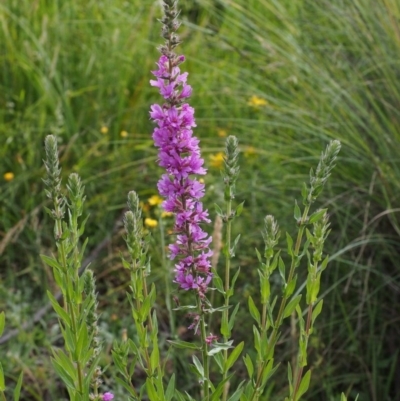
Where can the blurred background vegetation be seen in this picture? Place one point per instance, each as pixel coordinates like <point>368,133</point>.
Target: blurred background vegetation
<point>285,77</point>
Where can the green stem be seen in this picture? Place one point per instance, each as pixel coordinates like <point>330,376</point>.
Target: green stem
<point>167,277</point>
<point>264,317</point>
<point>70,306</point>
<point>279,318</point>
<point>299,371</point>
<point>3,397</point>
<point>204,350</point>
<point>225,313</point>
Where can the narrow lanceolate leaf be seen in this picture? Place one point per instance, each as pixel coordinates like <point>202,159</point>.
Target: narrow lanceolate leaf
<point>183,344</point>
<point>254,312</point>
<point>2,322</point>
<point>316,216</point>
<point>216,394</point>
<point>297,211</point>
<point>198,365</point>
<point>236,395</point>
<point>155,357</point>
<point>234,356</point>
<point>249,365</point>
<point>305,382</point>
<point>2,383</point>
<point>17,390</point>
<point>170,388</point>
<point>52,262</point>
<point>233,316</point>
<point>289,241</point>
<point>151,391</point>
<point>317,310</point>
<point>291,306</point>
<point>59,310</point>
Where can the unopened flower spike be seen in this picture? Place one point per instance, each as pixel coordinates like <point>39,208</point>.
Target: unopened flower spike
<point>179,155</point>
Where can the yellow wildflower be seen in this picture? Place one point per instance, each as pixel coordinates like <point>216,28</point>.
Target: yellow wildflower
<point>9,176</point>
<point>250,151</point>
<point>166,214</point>
<point>155,200</point>
<point>104,130</point>
<point>256,101</point>
<point>222,133</point>
<point>217,160</point>
<point>145,206</point>
<point>151,223</point>
<point>123,134</point>
<point>201,180</point>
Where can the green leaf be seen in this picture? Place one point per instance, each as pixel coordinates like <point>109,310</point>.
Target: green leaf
<point>216,394</point>
<point>281,265</point>
<point>218,347</point>
<point>155,357</point>
<point>289,241</point>
<point>317,310</point>
<point>297,212</point>
<point>170,388</point>
<point>258,255</point>
<point>239,209</point>
<point>257,340</point>
<point>304,193</point>
<point>236,275</point>
<point>343,397</point>
<point>52,262</point>
<point>2,322</point>
<point>17,390</point>
<point>179,396</point>
<point>269,371</point>
<point>232,318</point>
<point>151,391</point>
<point>290,307</point>
<point>290,378</point>
<point>198,365</point>
<point>219,285</point>
<point>305,382</point>
<point>82,343</point>
<point>324,264</point>
<point>64,375</point>
<point>219,211</point>
<point>316,216</point>
<point>225,326</point>
<point>59,310</point>
<point>254,311</point>
<point>249,365</point>
<point>236,395</point>
<point>265,287</point>
<point>220,361</point>
<point>2,383</point>
<point>183,344</point>
<point>234,356</point>
<point>291,286</point>
<point>126,386</point>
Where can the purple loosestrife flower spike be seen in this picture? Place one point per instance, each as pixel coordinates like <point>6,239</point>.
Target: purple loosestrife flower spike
<point>179,154</point>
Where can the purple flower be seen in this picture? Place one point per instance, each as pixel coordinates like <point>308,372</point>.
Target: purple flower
<point>107,396</point>
<point>179,154</point>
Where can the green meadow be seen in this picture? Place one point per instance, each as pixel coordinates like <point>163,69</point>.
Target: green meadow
<point>285,77</point>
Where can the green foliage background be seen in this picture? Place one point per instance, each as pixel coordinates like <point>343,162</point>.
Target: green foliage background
<point>326,69</point>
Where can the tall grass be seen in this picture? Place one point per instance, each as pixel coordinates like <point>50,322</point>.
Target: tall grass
<point>326,69</point>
